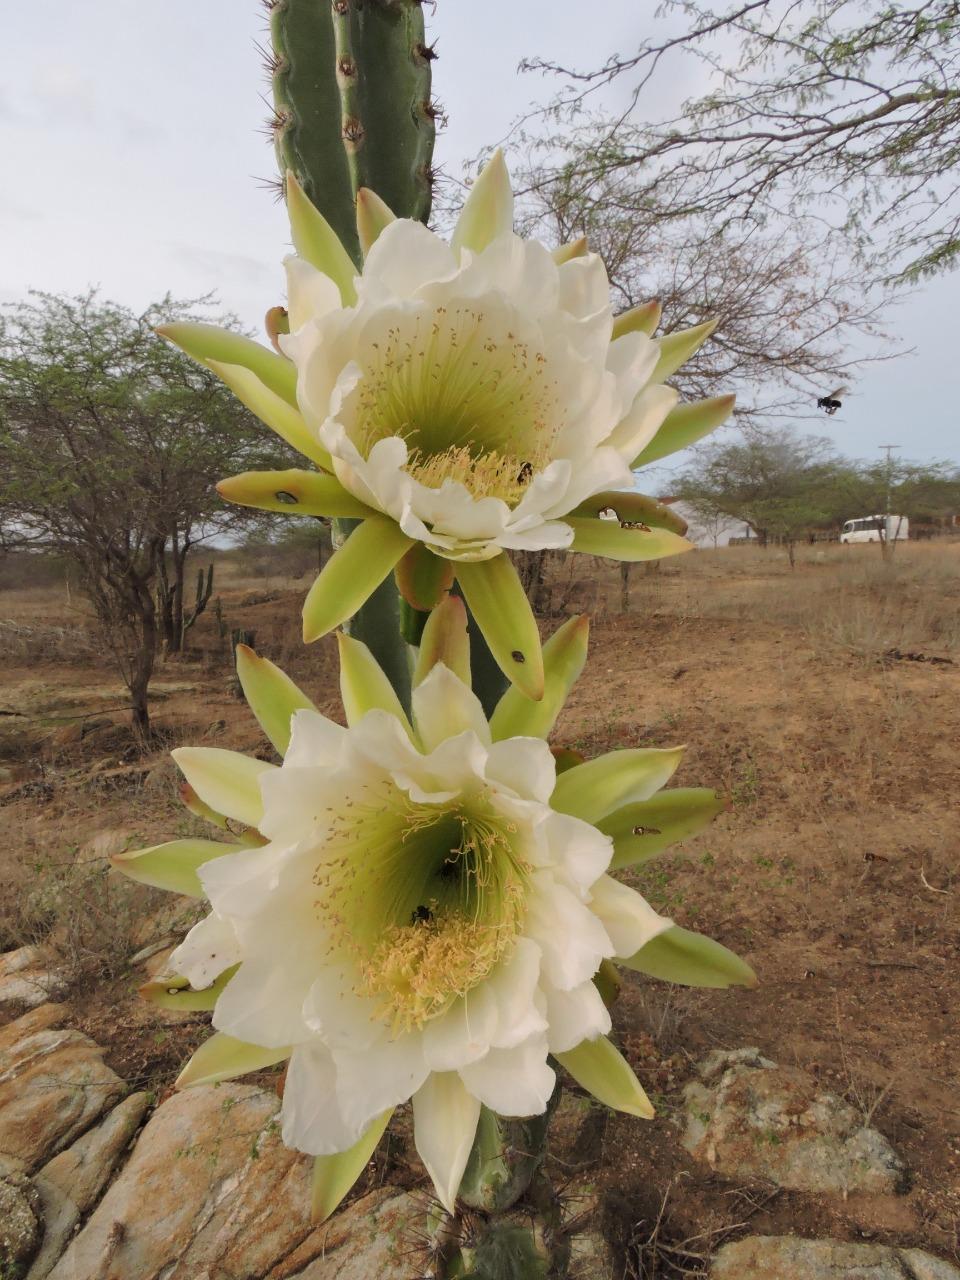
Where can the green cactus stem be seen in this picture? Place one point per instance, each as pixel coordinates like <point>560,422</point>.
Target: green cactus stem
<point>352,108</point>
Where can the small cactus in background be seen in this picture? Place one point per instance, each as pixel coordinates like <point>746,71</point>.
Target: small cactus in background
<point>201,600</point>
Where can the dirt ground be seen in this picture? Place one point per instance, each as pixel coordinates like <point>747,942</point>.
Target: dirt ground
<point>823,702</point>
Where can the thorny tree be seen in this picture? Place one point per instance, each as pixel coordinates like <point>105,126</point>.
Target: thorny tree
<point>110,444</point>
<point>849,109</point>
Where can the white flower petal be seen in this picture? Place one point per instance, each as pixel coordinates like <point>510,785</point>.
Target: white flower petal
<point>575,1015</point>
<point>384,1076</point>
<point>310,1118</point>
<point>628,918</point>
<point>263,1003</point>
<point>343,1019</point>
<point>314,740</point>
<point>513,1082</point>
<point>210,947</point>
<point>643,421</point>
<point>310,293</point>
<point>525,765</point>
<point>572,939</point>
<point>405,256</point>
<point>445,1119</point>
<point>443,707</point>
<point>582,850</point>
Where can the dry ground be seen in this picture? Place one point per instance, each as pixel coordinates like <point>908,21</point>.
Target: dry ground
<point>811,698</point>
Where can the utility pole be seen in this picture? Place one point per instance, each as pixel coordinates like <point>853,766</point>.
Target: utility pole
<point>889,448</point>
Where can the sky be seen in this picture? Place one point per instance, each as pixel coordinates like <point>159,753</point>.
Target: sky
<point>133,158</point>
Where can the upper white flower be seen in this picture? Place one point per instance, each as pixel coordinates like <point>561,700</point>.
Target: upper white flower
<point>473,391</point>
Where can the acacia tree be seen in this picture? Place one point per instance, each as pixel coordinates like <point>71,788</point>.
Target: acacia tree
<point>110,444</point>
<point>780,484</point>
<point>846,108</point>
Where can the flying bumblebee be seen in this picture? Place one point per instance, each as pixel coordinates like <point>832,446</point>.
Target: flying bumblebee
<point>831,402</point>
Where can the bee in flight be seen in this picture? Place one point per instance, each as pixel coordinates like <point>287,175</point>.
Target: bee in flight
<point>831,402</point>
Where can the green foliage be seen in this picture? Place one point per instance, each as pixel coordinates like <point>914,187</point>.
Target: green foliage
<point>110,444</point>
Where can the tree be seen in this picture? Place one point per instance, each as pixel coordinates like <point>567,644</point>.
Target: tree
<point>110,443</point>
<point>924,492</point>
<point>842,109</point>
<point>786,309</point>
<point>780,484</point>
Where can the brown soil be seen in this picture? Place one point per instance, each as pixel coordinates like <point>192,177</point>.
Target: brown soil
<point>834,872</point>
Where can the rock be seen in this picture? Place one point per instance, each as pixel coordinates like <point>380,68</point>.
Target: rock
<point>60,1218</point>
<point>82,1171</point>
<point>29,977</point>
<point>749,1118</point>
<point>790,1258</point>
<point>54,1085</point>
<point>20,1222</point>
<point>209,1191</point>
<point>375,1236</point>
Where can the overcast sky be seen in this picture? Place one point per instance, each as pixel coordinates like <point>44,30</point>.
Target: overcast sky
<point>131,158</point>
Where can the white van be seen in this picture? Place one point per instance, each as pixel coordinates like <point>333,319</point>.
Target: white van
<point>873,528</point>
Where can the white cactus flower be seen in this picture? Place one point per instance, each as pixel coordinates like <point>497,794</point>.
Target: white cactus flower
<point>460,399</point>
<point>422,909</point>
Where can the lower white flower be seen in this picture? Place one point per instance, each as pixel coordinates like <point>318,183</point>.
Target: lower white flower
<point>426,916</point>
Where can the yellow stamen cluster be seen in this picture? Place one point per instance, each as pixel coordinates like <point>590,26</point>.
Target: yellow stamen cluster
<point>487,475</point>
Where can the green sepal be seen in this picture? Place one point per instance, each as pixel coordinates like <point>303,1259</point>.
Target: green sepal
<point>333,1176</point>
<point>603,1071</point>
<point>592,790</point>
<point>316,241</point>
<point>633,508</point>
<point>643,319</point>
<point>684,426</point>
<point>207,343</point>
<point>608,538</point>
<point>677,348</point>
<point>445,640</point>
<point>363,686</point>
<point>564,655</point>
<point>423,579</point>
<point>224,1058</point>
<point>176,993</point>
<point>271,695</point>
<point>172,866</point>
<point>692,960</point>
<point>608,982</point>
<point>294,493</point>
<point>352,574</point>
<point>373,216</point>
<point>572,249</point>
<point>488,209</point>
<point>642,831</point>
<point>200,809</point>
<point>273,410</point>
<point>502,611</point>
<point>566,758</point>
